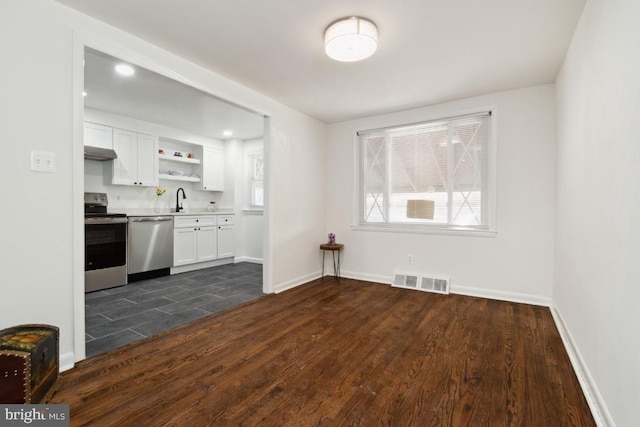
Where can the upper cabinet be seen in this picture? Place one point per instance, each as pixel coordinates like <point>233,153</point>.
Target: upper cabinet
<point>137,162</point>
<point>143,161</point>
<point>96,135</point>
<point>212,169</point>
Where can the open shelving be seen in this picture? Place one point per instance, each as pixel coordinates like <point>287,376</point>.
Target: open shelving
<point>178,159</point>
<point>179,177</point>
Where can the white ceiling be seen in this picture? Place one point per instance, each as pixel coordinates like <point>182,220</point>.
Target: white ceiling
<point>154,98</point>
<point>429,51</point>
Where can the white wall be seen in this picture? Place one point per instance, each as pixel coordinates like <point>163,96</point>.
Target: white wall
<point>296,172</point>
<point>597,273</point>
<point>36,267</point>
<point>517,263</point>
<point>40,273</point>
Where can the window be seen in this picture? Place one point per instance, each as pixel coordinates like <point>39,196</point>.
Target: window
<point>432,175</point>
<point>257,181</point>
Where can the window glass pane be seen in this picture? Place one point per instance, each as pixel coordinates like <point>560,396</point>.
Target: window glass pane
<point>255,178</point>
<point>375,177</point>
<point>257,193</point>
<point>434,173</point>
<point>258,167</point>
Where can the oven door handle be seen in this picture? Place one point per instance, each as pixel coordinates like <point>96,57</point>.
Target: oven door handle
<point>97,221</point>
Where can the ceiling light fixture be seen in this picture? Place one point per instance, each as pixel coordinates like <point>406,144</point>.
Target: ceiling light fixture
<point>125,69</point>
<point>227,133</point>
<point>351,39</point>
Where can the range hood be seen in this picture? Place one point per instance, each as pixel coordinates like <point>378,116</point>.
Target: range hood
<point>97,153</point>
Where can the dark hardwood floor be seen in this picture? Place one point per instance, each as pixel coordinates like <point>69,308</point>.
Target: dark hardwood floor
<point>348,353</point>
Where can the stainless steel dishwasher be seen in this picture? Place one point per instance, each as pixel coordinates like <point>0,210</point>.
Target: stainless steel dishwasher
<point>150,247</point>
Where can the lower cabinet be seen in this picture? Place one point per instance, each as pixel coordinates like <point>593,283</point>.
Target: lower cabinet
<point>201,238</point>
<point>194,239</point>
<point>226,238</point>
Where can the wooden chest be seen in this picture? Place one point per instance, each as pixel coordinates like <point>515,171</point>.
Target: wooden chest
<point>29,363</point>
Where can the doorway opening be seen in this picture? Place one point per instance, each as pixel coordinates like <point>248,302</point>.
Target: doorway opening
<point>186,122</point>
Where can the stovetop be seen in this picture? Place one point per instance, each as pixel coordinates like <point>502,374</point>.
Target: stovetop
<point>95,206</point>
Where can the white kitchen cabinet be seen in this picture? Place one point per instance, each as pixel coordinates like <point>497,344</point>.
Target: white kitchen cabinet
<point>226,237</point>
<point>96,135</point>
<point>207,244</point>
<point>184,246</point>
<point>212,169</point>
<point>137,162</point>
<point>194,239</point>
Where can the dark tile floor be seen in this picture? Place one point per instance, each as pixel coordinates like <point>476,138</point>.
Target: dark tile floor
<point>119,316</point>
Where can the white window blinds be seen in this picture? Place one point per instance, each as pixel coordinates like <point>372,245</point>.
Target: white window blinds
<point>432,174</point>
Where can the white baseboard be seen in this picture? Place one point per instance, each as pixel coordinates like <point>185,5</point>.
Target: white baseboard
<point>281,287</point>
<point>67,361</point>
<point>248,259</point>
<point>594,399</point>
<point>501,295</point>
<point>201,265</point>
<point>462,290</point>
<point>366,277</point>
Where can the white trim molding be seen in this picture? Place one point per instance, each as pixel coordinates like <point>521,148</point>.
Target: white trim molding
<point>290,284</point>
<point>500,295</point>
<point>248,259</point>
<point>67,361</point>
<point>596,403</point>
<point>385,280</point>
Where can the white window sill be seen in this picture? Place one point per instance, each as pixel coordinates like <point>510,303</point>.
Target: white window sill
<point>425,230</point>
<point>253,211</point>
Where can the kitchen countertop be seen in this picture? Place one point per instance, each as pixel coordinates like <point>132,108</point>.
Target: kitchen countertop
<point>167,212</point>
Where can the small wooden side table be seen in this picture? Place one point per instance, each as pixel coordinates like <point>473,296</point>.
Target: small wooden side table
<point>336,247</point>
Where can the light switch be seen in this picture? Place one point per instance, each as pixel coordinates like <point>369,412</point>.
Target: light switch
<point>43,161</point>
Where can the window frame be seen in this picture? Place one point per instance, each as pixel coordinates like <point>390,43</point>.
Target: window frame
<point>447,229</point>
<point>254,181</point>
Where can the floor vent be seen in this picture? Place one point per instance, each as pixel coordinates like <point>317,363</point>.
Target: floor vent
<point>430,283</point>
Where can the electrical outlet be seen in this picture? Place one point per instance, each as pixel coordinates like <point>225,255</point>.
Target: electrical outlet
<point>409,259</point>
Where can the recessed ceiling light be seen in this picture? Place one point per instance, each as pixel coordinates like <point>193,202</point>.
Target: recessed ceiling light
<point>125,69</point>
<point>227,133</point>
<point>84,93</point>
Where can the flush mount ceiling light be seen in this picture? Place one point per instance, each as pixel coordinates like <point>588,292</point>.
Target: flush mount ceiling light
<point>351,39</point>
<point>227,133</point>
<point>125,69</point>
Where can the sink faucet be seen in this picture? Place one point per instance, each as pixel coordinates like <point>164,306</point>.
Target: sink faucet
<point>178,204</point>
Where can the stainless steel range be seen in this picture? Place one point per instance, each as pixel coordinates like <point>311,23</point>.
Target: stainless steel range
<point>105,244</point>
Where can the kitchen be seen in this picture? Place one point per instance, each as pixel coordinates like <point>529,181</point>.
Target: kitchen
<point>172,175</point>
